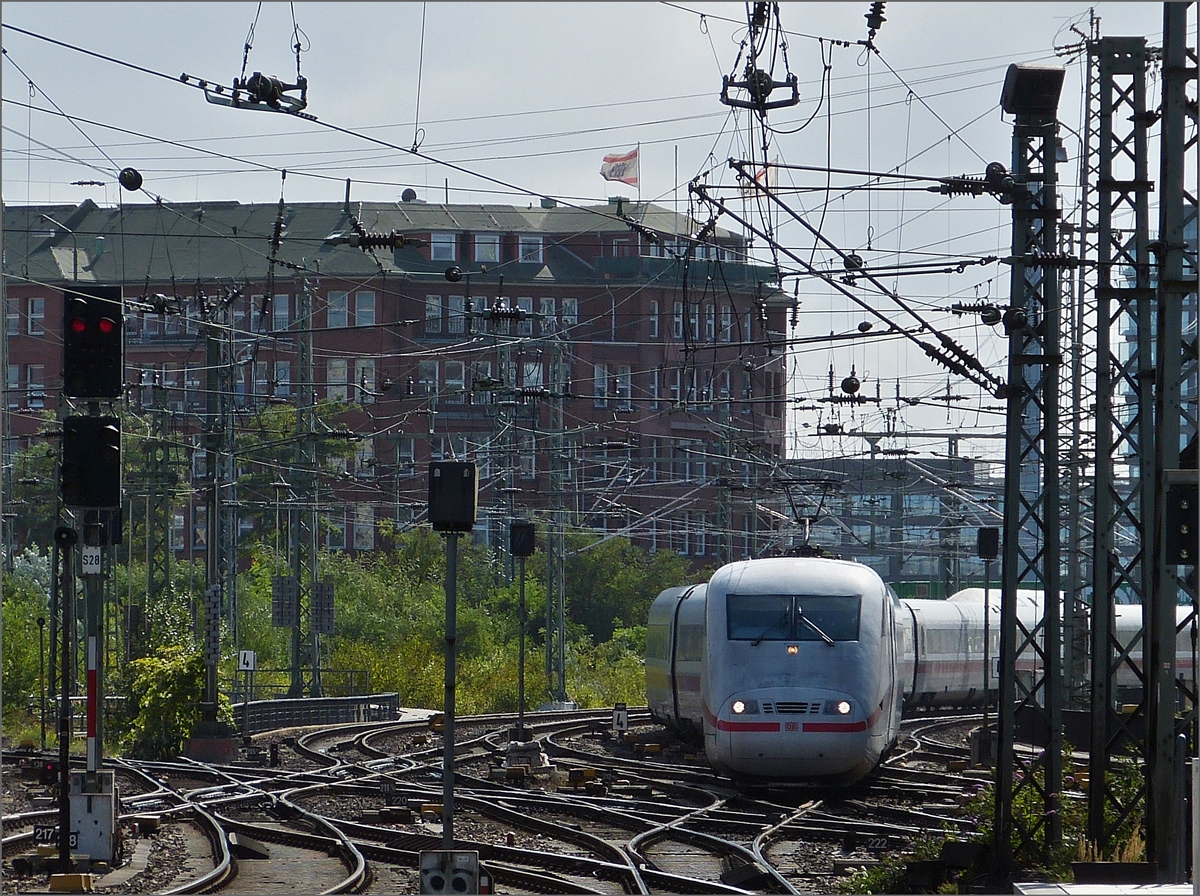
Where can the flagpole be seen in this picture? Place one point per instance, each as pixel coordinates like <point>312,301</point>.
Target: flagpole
<point>639,158</point>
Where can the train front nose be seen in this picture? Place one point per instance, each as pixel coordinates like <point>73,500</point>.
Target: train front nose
<point>811,733</point>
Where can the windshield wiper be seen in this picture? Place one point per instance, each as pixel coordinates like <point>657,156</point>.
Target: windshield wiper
<point>816,628</point>
<point>766,631</point>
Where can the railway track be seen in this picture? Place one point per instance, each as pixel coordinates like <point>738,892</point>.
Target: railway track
<point>350,809</point>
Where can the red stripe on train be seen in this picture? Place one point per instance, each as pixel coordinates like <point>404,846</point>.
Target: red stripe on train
<point>843,727</point>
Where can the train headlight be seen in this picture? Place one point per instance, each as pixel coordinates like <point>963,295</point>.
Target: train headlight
<point>838,707</point>
<point>741,707</point>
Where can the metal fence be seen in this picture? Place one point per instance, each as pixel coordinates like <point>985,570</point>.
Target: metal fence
<point>257,716</point>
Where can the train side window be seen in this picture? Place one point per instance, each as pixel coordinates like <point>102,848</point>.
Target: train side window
<point>691,643</point>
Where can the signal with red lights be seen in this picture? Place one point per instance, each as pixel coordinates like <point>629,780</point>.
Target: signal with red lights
<point>93,343</point>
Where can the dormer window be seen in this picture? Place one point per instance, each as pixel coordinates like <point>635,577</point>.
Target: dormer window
<point>487,248</point>
<point>530,248</point>
<point>442,247</point>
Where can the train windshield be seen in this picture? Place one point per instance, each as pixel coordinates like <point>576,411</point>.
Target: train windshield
<point>792,617</point>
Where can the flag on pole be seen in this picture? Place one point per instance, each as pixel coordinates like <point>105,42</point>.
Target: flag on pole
<point>766,176</point>
<point>622,167</point>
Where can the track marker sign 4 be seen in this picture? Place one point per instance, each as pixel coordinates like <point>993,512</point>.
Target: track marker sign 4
<point>247,660</point>
<point>620,718</point>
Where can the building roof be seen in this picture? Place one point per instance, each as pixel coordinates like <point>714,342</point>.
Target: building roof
<point>215,242</point>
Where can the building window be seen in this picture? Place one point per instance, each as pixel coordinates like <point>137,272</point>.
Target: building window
<point>35,323</point>
<point>262,378</point>
<point>710,323</point>
<point>508,374</point>
<point>487,248</point>
<point>364,378</point>
<point>178,531</point>
<point>428,372</point>
<point>699,461</point>
<point>35,381</point>
<point>549,324</point>
<point>706,393</point>
<point>701,545</point>
<point>12,318</point>
<point>683,541</point>
<point>364,308</point>
<point>525,327</point>
<point>677,320</point>
<point>283,377</point>
<point>528,455</point>
<point>337,314</point>
<point>442,247</point>
<point>191,386</point>
<point>655,388</point>
<point>694,318</point>
<point>674,380</point>
<point>335,379</point>
<point>481,381</point>
<point>455,382</point>
<point>457,320</point>
<point>480,450</point>
<point>532,375</point>
<point>652,313</point>
<point>12,384</point>
<point>680,466</point>
<point>600,386</point>
<point>364,527</point>
<point>406,454</point>
<point>433,314</point>
<point>335,536</point>
<point>726,324</point>
<point>624,388</point>
<point>281,305</point>
<point>530,249</point>
<point>364,459</point>
<point>570,312</point>
<point>622,248</point>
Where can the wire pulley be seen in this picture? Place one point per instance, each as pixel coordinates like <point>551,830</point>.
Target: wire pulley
<point>267,93</point>
<point>757,81</point>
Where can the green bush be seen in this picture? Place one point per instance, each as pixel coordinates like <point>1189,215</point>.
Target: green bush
<point>164,696</point>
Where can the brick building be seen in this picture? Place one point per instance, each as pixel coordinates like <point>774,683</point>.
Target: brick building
<point>590,360</point>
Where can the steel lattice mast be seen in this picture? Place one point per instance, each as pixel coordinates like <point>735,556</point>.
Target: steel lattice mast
<point>1031,544</point>
<point>1121,301</point>
<point>1172,707</point>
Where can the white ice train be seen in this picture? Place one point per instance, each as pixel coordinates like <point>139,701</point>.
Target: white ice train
<point>800,668</point>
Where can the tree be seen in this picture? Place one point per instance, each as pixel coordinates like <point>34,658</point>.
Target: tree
<point>611,582</point>
<point>26,599</point>
<point>34,494</point>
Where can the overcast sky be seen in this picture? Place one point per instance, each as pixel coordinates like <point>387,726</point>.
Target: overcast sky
<point>529,94</point>
<point>507,102</point>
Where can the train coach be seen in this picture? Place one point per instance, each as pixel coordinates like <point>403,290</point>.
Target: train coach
<point>800,668</point>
